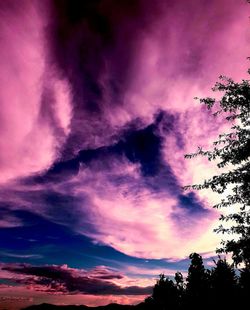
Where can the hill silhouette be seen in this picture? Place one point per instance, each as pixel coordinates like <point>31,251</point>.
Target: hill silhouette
<point>107,307</point>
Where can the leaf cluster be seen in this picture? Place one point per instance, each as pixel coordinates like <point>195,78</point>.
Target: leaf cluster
<point>231,151</point>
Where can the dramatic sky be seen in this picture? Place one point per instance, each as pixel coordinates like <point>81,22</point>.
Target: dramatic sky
<point>97,112</point>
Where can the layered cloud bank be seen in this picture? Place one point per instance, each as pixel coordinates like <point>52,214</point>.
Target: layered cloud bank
<point>97,112</point>
<point>61,279</point>
<point>95,287</point>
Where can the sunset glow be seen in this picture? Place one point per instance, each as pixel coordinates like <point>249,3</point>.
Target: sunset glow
<point>97,113</point>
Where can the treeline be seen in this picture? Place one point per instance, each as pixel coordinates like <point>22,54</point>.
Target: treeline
<point>221,287</point>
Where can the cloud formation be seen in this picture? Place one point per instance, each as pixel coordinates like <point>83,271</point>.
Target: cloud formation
<point>129,177</point>
<point>35,107</point>
<point>97,113</point>
<point>62,279</point>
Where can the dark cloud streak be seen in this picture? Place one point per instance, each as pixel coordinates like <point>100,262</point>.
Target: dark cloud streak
<point>72,281</point>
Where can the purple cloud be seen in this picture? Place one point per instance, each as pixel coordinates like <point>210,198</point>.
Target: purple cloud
<point>79,81</point>
<point>55,279</point>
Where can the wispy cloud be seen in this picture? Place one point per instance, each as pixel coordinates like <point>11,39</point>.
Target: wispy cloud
<point>15,255</point>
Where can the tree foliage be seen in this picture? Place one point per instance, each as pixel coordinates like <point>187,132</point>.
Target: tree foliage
<point>165,292</point>
<point>231,151</point>
<point>197,280</point>
<point>223,281</point>
<point>218,287</point>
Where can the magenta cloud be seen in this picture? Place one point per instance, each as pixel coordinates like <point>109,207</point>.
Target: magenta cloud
<point>35,104</point>
<point>62,279</point>
<point>60,95</point>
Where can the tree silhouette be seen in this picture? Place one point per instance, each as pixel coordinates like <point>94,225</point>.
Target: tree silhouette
<point>220,287</point>
<point>223,283</point>
<point>179,280</point>
<point>197,281</point>
<point>244,285</point>
<point>165,293</point>
<point>232,149</point>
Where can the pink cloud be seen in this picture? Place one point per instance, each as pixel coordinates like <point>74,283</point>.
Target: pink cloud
<point>184,52</point>
<point>28,142</point>
<point>165,75</point>
<point>8,221</point>
<point>179,56</point>
<point>65,285</point>
<point>154,272</point>
<point>132,219</point>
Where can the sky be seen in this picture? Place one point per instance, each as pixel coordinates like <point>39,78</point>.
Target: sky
<point>97,113</point>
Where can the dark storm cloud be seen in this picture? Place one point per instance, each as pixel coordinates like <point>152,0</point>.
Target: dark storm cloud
<point>69,280</point>
<point>92,45</point>
<point>141,146</point>
<point>87,38</point>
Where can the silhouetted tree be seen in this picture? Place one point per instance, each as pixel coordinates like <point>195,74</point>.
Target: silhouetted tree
<point>244,285</point>
<point>179,282</point>
<point>197,281</point>
<point>165,293</point>
<point>180,285</point>
<point>232,150</point>
<point>244,280</point>
<point>217,288</point>
<point>223,283</point>
<point>198,276</point>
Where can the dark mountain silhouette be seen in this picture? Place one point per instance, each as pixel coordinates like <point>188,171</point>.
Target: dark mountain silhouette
<point>107,307</point>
